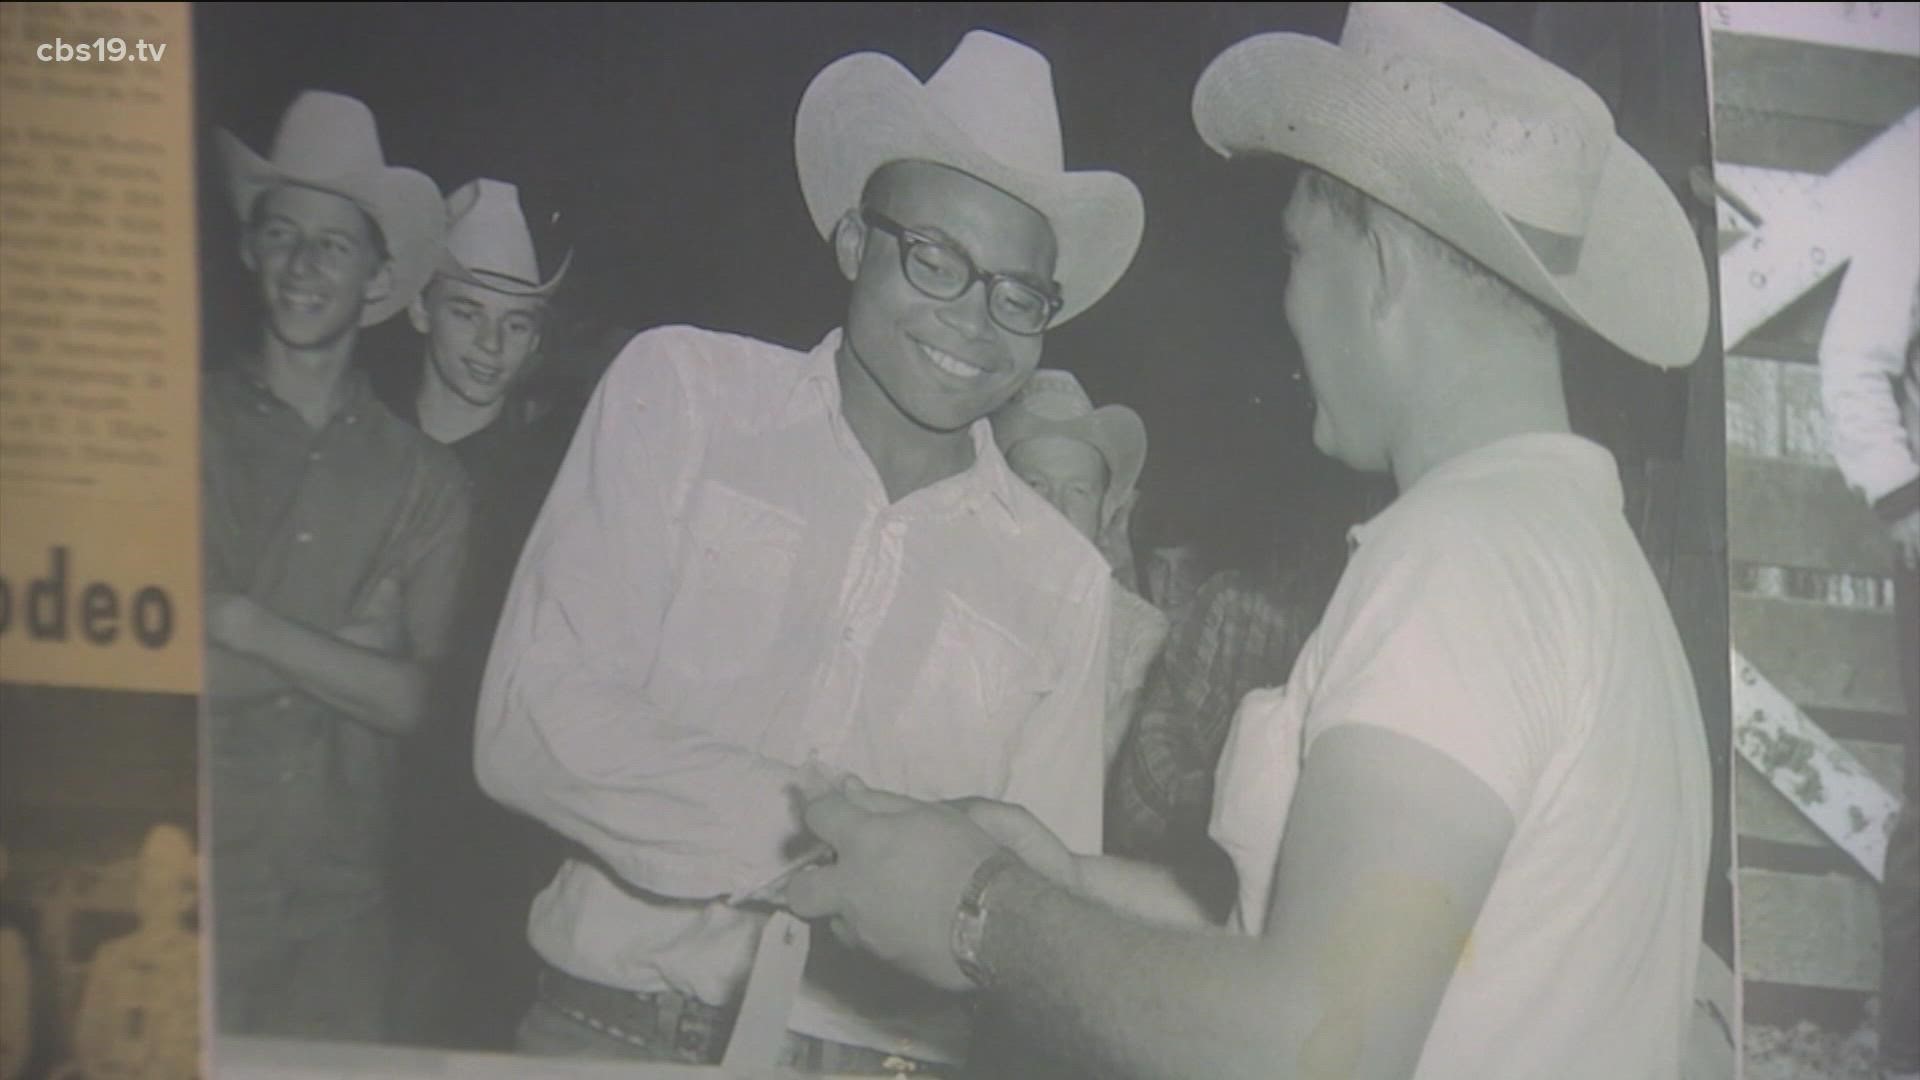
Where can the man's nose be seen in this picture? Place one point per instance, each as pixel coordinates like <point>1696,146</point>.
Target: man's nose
<point>307,257</point>
<point>490,334</point>
<point>968,312</point>
<point>1055,497</point>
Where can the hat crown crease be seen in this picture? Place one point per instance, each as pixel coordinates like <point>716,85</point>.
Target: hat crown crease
<point>1056,399</point>
<point>999,93</point>
<point>325,135</point>
<point>487,232</point>
<point>1536,142</point>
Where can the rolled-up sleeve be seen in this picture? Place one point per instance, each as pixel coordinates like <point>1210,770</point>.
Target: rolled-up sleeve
<point>567,731</point>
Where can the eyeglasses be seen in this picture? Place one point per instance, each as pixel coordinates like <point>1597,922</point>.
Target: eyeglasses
<point>944,272</point>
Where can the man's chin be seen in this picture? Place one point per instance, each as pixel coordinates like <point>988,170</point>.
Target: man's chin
<point>482,401</point>
<point>302,334</point>
<point>476,397</point>
<point>941,410</point>
<point>949,416</point>
<point>937,422</point>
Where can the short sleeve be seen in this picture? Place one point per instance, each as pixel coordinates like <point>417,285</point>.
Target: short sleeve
<point>1449,645</point>
<point>437,551</point>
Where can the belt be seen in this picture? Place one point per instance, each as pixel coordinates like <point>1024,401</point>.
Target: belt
<point>695,1033</point>
<point>691,1028</point>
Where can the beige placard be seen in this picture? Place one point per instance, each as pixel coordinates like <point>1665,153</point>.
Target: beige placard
<point>99,348</point>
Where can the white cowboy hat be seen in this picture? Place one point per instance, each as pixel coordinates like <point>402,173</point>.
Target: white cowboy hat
<point>488,243</point>
<point>1500,153</point>
<point>329,142</point>
<point>1053,403</point>
<point>989,112</point>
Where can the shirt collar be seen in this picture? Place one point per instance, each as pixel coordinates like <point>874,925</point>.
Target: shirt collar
<point>1588,465</point>
<point>817,392</point>
<point>356,389</point>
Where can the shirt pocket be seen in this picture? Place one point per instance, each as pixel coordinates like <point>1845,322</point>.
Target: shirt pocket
<point>970,704</point>
<point>735,575</point>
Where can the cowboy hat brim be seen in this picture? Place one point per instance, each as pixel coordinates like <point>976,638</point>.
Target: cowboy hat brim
<point>404,202</point>
<point>1640,281</point>
<point>865,110</point>
<point>448,266</point>
<point>1114,430</point>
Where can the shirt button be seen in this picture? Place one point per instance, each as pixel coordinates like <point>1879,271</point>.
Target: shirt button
<point>847,634</point>
<point>284,701</point>
<point>313,455</point>
<point>895,528</point>
<point>353,418</point>
<point>303,537</point>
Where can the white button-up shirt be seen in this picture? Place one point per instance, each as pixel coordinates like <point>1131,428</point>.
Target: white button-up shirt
<point>718,591</point>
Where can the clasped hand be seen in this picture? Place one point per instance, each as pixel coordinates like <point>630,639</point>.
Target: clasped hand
<point>902,866</point>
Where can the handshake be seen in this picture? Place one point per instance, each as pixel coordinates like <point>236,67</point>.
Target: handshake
<point>887,873</point>
<point>828,798</point>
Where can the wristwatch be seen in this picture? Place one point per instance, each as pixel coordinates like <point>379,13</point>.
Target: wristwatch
<point>970,919</point>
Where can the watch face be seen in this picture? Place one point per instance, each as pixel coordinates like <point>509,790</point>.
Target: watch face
<point>970,920</point>
<point>969,929</point>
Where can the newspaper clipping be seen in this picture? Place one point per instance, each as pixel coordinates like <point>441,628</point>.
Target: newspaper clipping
<point>100,655</point>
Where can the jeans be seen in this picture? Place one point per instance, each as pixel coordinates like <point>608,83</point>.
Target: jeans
<point>326,983</point>
<point>548,1031</point>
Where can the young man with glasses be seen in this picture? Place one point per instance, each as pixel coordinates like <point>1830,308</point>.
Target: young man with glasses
<point>760,568</point>
<point>1470,834</point>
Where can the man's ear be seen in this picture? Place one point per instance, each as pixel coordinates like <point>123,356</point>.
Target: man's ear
<point>536,351</point>
<point>380,285</point>
<point>417,311</point>
<point>849,243</point>
<point>246,251</point>
<point>1393,267</point>
<point>1117,513</point>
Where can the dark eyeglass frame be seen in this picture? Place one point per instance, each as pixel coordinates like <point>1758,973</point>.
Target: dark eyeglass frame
<point>908,240</point>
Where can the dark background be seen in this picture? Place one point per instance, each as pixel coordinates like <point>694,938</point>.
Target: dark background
<point>663,136</point>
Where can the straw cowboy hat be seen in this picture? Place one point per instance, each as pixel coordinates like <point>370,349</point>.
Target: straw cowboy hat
<point>1503,155</point>
<point>989,112</point>
<point>488,243</point>
<point>329,142</point>
<point>1053,403</point>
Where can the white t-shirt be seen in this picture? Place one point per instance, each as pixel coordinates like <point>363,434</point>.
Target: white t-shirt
<point>1502,613</point>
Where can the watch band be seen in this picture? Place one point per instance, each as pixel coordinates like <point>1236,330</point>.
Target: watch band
<point>970,919</point>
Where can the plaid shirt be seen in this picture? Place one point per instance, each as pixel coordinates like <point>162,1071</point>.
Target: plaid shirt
<point>1235,638</point>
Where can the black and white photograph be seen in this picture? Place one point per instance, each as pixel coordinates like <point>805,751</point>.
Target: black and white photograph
<point>1148,541</point>
<point>100,943</point>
